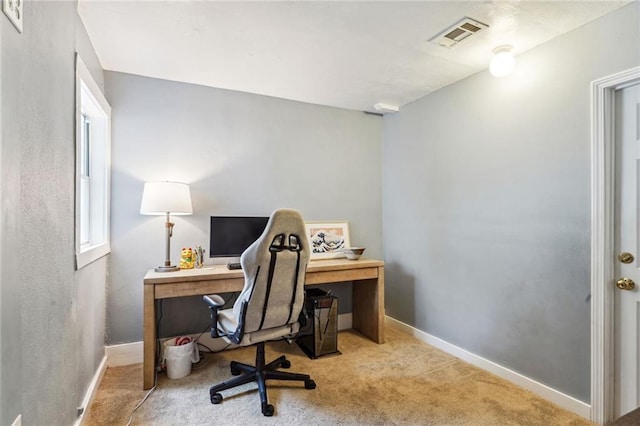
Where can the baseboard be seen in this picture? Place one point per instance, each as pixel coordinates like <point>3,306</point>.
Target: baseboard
<point>91,391</point>
<point>124,354</point>
<point>565,401</point>
<point>345,321</point>
<point>132,353</point>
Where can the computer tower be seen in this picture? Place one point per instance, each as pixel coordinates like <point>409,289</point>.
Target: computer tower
<point>319,336</point>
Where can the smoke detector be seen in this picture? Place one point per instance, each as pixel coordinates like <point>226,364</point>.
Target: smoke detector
<point>458,32</point>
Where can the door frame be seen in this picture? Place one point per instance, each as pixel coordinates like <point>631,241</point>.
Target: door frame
<point>602,238</point>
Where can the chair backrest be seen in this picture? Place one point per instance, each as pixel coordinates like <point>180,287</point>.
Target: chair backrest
<point>274,268</point>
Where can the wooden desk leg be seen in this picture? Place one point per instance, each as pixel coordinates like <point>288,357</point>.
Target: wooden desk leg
<point>149,339</point>
<point>368,307</point>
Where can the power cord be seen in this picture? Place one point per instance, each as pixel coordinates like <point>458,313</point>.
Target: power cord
<point>155,377</point>
<point>209,350</point>
<point>230,302</point>
<point>155,380</point>
<point>158,346</point>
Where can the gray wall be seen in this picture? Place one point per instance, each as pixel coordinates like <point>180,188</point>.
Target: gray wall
<point>487,206</point>
<point>53,318</point>
<point>242,154</point>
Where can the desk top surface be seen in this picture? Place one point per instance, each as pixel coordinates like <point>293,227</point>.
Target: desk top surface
<point>220,272</point>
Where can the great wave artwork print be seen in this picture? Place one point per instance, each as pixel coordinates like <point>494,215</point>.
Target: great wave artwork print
<point>327,239</point>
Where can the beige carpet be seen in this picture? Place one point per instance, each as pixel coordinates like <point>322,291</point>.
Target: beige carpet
<point>402,382</point>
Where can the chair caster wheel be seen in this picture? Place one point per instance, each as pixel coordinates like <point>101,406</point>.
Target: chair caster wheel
<point>286,364</point>
<point>216,398</point>
<point>309,384</point>
<point>267,410</point>
<point>235,371</point>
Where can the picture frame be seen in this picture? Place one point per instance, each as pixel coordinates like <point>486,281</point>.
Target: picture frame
<point>327,239</point>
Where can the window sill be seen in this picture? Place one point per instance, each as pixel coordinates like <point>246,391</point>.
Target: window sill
<point>91,254</point>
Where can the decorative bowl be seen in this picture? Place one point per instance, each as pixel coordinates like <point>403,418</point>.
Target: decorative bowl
<point>353,253</point>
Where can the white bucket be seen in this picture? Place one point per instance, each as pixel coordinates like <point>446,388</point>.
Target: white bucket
<point>178,358</point>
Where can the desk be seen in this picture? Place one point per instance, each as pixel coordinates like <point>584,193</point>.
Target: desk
<point>368,295</point>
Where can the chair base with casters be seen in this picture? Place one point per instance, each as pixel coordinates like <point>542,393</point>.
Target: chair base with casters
<point>259,373</point>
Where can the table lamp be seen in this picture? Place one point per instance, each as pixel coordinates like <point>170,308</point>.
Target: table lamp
<point>166,198</point>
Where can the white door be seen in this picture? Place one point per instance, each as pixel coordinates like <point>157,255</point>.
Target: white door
<point>627,246</point>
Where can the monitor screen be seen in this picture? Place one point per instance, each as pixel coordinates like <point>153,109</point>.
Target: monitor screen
<point>231,235</point>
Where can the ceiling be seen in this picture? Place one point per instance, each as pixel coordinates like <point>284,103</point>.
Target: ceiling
<point>343,54</point>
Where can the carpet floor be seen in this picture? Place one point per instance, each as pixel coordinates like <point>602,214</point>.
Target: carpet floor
<point>401,382</point>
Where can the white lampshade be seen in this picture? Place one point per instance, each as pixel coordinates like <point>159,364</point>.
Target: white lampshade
<point>166,197</point>
<point>502,62</point>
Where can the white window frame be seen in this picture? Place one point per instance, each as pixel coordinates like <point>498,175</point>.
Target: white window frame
<point>91,102</point>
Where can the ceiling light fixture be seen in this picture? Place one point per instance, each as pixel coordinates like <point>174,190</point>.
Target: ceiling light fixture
<point>502,62</point>
<point>386,108</point>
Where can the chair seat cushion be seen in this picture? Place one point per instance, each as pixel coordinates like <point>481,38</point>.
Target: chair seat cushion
<point>228,325</point>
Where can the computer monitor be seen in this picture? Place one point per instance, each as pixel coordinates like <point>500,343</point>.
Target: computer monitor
<point>231,235</point>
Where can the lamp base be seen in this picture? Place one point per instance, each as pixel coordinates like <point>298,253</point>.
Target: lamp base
<point>167,269</point>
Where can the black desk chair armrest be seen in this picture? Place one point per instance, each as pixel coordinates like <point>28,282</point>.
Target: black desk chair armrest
<point>215,302</point>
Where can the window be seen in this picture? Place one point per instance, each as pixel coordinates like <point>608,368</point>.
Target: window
<point>93,168</point>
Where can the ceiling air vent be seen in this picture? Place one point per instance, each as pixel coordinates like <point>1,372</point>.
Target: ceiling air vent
<point>458,32</point>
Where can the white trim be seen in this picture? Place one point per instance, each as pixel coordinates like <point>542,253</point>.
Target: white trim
<point>132,353</point>
<point>345,321</point>
<point>124,354</point>
<point>92,390</point>
<point>602,225</point>
<point>96,92</point>
<point>565,401</point>
<point>84,256</point>
<point>94,253</point>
